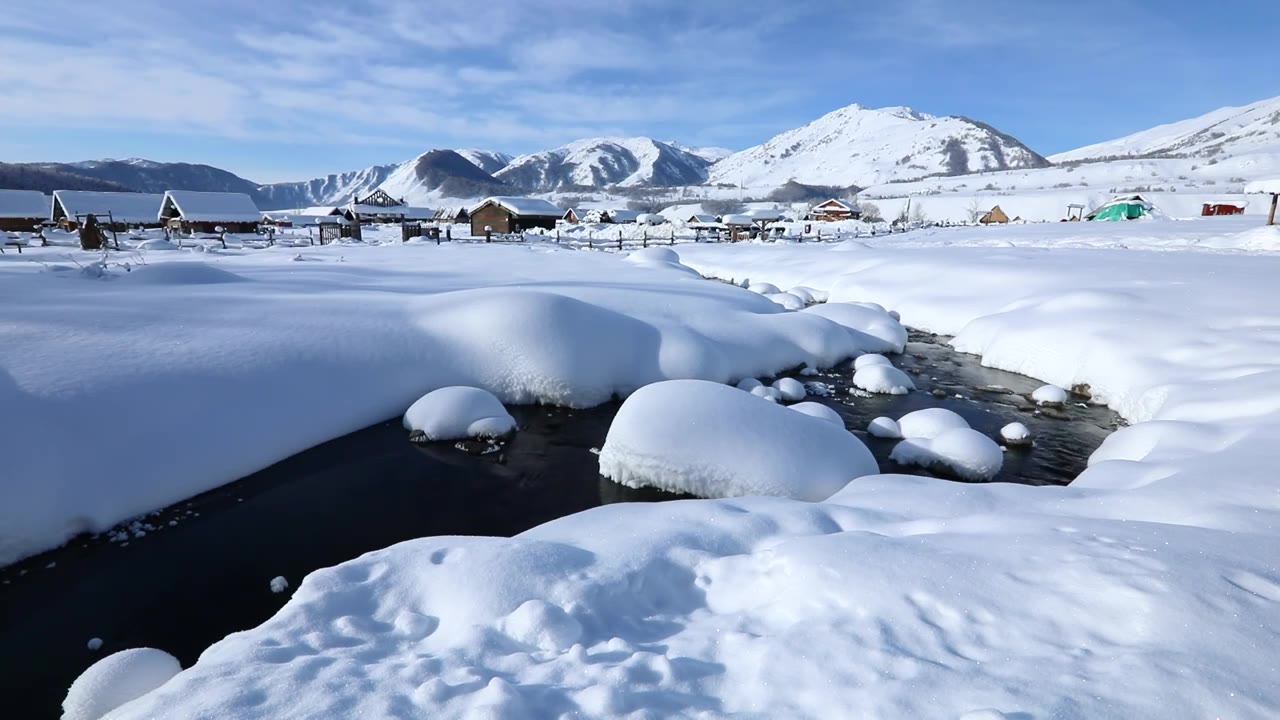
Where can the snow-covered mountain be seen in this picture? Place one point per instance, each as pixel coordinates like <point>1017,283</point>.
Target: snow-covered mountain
<point>154,177</point>
<point>600,162</point>
<point>863,146</point>
<point>333,189</point>
<point>490,161</point>
<point>424,180</point>
<point>1228,131</point>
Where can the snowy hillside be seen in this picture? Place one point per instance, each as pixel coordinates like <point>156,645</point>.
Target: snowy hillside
<point>438,174</point>
<point>329,190</point>
<point>598,162</point>
<point>863,146</point>
<point>490,161</point>
<point>150,176</point>
<point>1226,132</point>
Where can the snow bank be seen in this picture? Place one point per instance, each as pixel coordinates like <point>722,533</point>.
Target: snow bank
<point>885,379</point>
<point>711,440</point>
<point>820,411</point>
<point>964,451</point>
<point>929,423</point>
<point>874,330</point>
<point>455,413</point>
<point>115,680</point>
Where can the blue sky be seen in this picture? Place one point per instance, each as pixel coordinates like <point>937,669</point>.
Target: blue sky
<point>291,89</point>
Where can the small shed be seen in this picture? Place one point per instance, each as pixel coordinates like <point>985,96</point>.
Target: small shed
<point>650,219</point>
<point>736,223</point>
<point>700,219</point>
<point>1266,187</point>
<point>22,210</point>
<point>513,215</point>
<point>995,216</point>
<point>833,210</point>
<point>206,211</point>
<point>574,215</point>
<point>1215,209</point>
<point>1124,207</point>
<point>127,209</point>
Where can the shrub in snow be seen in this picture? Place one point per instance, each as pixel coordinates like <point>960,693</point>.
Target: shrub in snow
<point>868,360</point>
<point>279,584</point>
<point>874,329</point>
<point>929,423</point>
<point>115,680</point>
<point>1049,395</point>
<point>749,384</point>
<point>1016,434</point>
<point>967,453</point>
<point>883,427</point>
<point>818,410</point>
<point>714,441</point>
<point>454,413</point>
<point>766,392</point>
<point>789,389</point>
<point>764,288</point>
<point>884,379</point>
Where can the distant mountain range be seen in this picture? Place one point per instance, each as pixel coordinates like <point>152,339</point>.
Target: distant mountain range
<point>852,146</point>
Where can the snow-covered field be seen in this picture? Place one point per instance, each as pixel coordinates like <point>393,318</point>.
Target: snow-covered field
<point>1149,588</point>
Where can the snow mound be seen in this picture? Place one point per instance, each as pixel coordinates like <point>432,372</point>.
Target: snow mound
<point>182,273</point>
<point>1016,434</point>
<point>156,244</point>
<point>787,300</point>
<point>455,413</point>
<point>883,427</point>
<point>94,644</point>
<point>929,423</point>
<point>542,625</point>
<point>805,294</point>
<point>820,411</point>
<point>660,257</point>
<point>713,441</point>
<point>964,451</point>
<point>873,327</point>
<point>789,389</point>
<point>768,393</point>
<point>884,379</point>
<point>764,288</point>
<point>748,384</point>
<point>863,361</point>
<point>815,295</point>
<point>1050,395</point>
<point>279,584</point>
<point>115,680</point>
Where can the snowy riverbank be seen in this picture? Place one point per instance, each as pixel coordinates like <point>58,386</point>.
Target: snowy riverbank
<point>1147,589</point>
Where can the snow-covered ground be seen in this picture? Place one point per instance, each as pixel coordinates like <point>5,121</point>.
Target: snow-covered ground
<point>1148,588</point>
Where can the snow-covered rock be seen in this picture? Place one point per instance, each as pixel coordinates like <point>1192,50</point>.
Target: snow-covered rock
<point>964,451</point>
<point>874,330</point>
<point>279,584</point>
<point>883,427</point>
<point>1016,434</point>
<point>864,361</point>
<point>748,384</point>
<point>94,644</point>
<point>805,294</point>
<point>767,392</point>
<point>115,680</point>
<point>789,389</point>
<point>454,413</point>
<point>883,379</point>
<point>820,411</point>
<point>929,423</point>
<point>787,300</point>
<point>764,288</point>
<point>1050,395</point>
<point>713,441</point>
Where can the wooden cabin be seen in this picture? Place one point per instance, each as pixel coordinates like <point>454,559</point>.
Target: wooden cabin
<point>117,211</point>
<point>205,212</point>
<point>996,216</point>
<point>451,215</point>
<point>701,219</point>
<point>833,210</point>
<point>574,216</point>
<point>1215,209</point>
<point>513,215</point>
<point>22,210</point>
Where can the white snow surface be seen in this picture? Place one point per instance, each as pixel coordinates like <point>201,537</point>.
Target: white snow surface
<point>790,389</point>
<point>713,441</point>
<point>820,411</point>
<point>884,427</point>
<point>929,423</point>
<point>31,204</point>
<point>527,206</point>
<point>212,206</point>
<point>117,679</point>
<point>1016,433</point>
<point>1050,395</point>
<point>1148,586</point>
<point>126,207</point>
<point>966,452</point>
<point>455,413</point>
<point>883,379</point>
<point>1270,186</point>
<point>198,339</point>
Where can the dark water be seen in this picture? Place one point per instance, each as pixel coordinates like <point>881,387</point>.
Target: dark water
<point>188,584</point>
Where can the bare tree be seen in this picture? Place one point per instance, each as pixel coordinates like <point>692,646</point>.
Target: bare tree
<point>917,214</point>
<point>974,210</point>
<point>870,212</point>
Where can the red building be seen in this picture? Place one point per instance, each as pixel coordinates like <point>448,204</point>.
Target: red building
<point>1211,210</point>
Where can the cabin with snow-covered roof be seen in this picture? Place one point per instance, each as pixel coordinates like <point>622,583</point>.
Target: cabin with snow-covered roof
<point>834,210</point>
<point>513,215</point>
<point>192,211</point>
<point>22,210</point>
<point>701,219</point>
<point>574,216</point>
<point>119,210</point>
<point>452,215</point>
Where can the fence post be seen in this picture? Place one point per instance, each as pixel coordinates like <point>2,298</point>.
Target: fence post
<point>673,236</point>
<point>557,236</point>
<point>619,238</point>
<point>646,238</point>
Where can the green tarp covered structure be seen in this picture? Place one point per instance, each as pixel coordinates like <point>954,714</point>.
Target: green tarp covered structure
<point>1120,211</point>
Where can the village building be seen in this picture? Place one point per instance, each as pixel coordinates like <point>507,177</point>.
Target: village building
<point>22,210</point>
<point>995,216</point>
<point>738,225</point>
<point>574,216</point>
<point>701,219</point>
<point>1215,209</point>
<point>113,210</point>
<point>452,215</point>
<point>650,219</point>
<point>834,210</point>
<point>205,212</point>
<point>602,216</point>
<point>1124,207</point>
<point>513,215</point>
<point>287,218</point>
